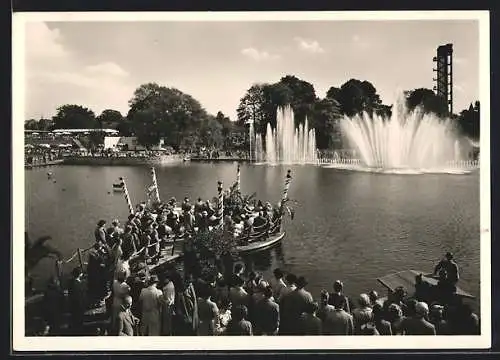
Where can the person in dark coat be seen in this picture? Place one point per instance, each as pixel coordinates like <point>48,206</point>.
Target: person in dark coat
<point>76,299</point>
<point>186,309</point>
<point>451,268</point>
<point>383,326</point>
<point>337,298</point>
<point>436,318</point>
<point>294,304</point>
<point>309,323</point>
<point>338,322</point>
<point>239,325</point>
<point>237,294</point>
<point>267,314</point>
<point>467,322</point>
<point>417,324</point>
<point>53,302</point>
<point>97,274</point>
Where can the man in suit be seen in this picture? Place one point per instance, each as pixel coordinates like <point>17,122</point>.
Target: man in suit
<point>237,294</point>
<point>294,304</point>
<point>126,321</point>
<point>267,314</point>
<point>338,321</point>
<point>76,301</point>
<point>417,324</point>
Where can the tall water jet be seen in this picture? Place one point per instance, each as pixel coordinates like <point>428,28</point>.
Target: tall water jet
<point>409,140</point>
<point>259,150</point>
<point>288,144</point>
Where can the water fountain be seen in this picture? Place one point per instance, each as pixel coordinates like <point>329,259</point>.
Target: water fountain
<point>287,144</point>
<point>406,142</point>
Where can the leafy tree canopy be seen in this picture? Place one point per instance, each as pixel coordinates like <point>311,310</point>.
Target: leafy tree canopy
<point>74,117</point>
<point>110,119</point>
<point>161,112</point>
<point>426,100</point>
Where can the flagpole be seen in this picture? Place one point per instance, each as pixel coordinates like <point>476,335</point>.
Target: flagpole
<point>220,205</point>
<point>127,196</point>
<point>238,179</point>
<point>284,198</point>
<point>155,183</point>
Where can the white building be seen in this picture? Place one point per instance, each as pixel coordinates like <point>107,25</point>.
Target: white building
<point>128,143</point>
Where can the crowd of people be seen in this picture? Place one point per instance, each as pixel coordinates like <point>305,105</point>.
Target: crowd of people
<point>188,301</point>
<point>174,303</point>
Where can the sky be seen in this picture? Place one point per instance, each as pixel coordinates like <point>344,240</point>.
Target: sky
<point>99,64</point>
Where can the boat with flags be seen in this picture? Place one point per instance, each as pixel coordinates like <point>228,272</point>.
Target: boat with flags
<point>169,234</point>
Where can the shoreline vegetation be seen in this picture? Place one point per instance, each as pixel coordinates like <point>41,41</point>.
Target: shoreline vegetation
<point>160,113</point>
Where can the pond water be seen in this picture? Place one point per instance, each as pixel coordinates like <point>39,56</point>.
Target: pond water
<point>353,226</point>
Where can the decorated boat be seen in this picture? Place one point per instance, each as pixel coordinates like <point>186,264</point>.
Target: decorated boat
<point>220,237</point>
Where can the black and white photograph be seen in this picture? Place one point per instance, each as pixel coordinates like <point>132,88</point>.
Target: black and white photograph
<point>308,178</point>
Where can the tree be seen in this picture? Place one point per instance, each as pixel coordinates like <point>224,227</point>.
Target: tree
<point>469,120</point>
<point>211,133</point>
<point>160,112</point>
<point>303,96</point>
<point>325,120</point>
<point>31,124</point>
<point>109,119</point>
<point>356,97</point>
<point>251,105</point>
<point>74,117</point>
<point>426,100</point>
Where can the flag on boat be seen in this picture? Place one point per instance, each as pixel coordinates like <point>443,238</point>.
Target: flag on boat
<point>151,194</point>
<point>151,190</point>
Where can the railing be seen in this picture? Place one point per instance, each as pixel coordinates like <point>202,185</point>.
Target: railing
<point>458,164</point>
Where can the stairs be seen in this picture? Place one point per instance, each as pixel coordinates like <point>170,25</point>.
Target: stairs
<point>79,144</point>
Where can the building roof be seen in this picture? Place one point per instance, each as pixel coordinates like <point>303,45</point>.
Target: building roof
<point>110,131</point>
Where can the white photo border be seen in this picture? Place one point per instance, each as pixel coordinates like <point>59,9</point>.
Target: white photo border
<point>270,343</point>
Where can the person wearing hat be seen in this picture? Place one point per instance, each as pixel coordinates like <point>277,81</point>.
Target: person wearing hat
<point>436,318</point>
<point>150,304</point>
<point>451,268</point>
<point>418,324</point>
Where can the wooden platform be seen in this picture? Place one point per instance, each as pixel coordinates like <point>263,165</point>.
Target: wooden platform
<point>166,258</point>
<point>406,279</point>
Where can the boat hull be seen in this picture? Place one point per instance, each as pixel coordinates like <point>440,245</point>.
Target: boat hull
<point>260,245</point>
